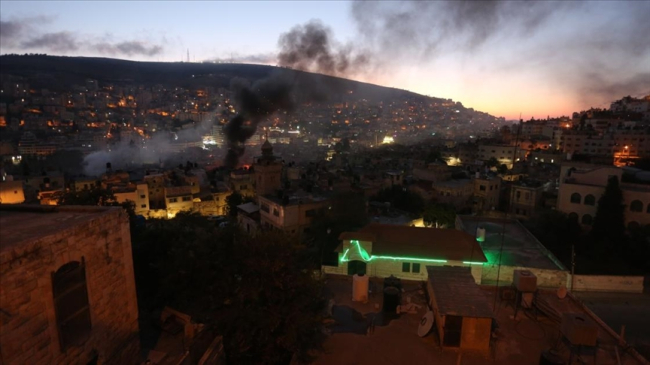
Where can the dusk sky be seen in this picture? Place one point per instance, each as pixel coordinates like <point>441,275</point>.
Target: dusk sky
<point>538,58</point>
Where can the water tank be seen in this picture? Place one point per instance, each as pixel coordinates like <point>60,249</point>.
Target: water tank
<point>391,299</point>
<point>480,234</point>
<point>579,329</point>
<point>525,281</point>
<point>360,288</point>
<point>568,156</point>
<point>478,174</point>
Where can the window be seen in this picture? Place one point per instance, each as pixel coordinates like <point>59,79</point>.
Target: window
<point>173,200</point>
<point>576,198</point>
<point>265,207</point>
<point>636,206</point>
<point>142,196</point>
<point>276,212</point>
<point>416,268</point>
<point>573,216</point>
<point>482,188</point>
<point>143,206</point>
<point>187,198</point>
<point>590,200</point>
<point>406,267</point>
<point>71,304</point>
<point>587,219</point>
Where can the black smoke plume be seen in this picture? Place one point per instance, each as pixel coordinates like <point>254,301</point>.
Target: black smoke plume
<point>305,47</point>
<point>255,103</point>
<point>310,47</point>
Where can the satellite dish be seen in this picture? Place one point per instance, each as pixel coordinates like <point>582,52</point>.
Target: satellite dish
<point>426,323</point>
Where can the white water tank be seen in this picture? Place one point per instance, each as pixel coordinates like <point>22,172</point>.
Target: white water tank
<point>568,156</point>
<point>480,234</point>
<point>360,288</point>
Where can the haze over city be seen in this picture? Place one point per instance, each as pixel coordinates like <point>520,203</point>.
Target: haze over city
<point>504,58</point>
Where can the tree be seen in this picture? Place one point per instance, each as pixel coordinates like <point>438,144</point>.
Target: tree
<point>433,156</point>
<point>502,169</point>
<point>439,215</point>
<point>401,198</point>
<point>232,201</point>
<point>609,223</point>
<point>347,212</point>
<point>492,162</point>
<point>259,292</point>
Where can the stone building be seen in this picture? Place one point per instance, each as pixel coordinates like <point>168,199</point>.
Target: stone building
<point>68,292</point>
<point>267,171</point>
<point>382,250</point>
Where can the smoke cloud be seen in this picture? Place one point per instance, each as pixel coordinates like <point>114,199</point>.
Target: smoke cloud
<point>255,103</point>
<point>129,48</point>
<point>310,47</point>
<point>134,152</point>
<point>23,34</point>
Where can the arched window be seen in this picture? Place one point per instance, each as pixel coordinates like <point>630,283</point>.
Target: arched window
<point>633,225</point>
<point>573,217</point>
<point>587,219</point>
<point>636,206</point>
<point>576,198</point>
<point>590,200</point>
<point>71,304</point>
<point>648,209</point>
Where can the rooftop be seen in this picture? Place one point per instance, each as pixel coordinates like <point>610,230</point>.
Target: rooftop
<point>517,340</point>
<point>520,247</point>
<point>22,223</point>
<point>438,243</point>
<point>456,292</point>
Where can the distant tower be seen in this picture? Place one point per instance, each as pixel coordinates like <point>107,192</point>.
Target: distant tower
<point>188,55</point>
<point>268,171</point>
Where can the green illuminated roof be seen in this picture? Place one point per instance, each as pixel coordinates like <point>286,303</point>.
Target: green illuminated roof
<point>404,242</point>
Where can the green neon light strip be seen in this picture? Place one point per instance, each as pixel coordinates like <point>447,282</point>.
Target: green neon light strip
<point>364,255</point>
<point>472,263</point>
<point>344,259</point>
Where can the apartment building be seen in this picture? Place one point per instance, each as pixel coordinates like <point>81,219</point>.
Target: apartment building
<point>582,185</point>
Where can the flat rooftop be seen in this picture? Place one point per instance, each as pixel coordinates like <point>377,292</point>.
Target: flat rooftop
<point>518,340</point>
<point>21,223</point>
<point>520,247</point>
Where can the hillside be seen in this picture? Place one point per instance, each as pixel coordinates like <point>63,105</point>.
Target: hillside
<point>59,73</point>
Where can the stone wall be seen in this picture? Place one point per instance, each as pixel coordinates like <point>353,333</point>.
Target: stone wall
<point>608,283</point>
<point>545,278</point>
<point>29,334</point>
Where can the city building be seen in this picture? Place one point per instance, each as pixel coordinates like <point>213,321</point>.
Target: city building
<point>526,197</point>
<point>11,192</point>
<point>454,192</point>
<point>267,171</point>
<point>291,213</point>
<point>582,185</point>
<point>486,194</point>
<point>383,250</point>
<point>68,290</point>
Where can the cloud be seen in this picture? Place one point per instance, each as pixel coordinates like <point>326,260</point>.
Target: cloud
<point>24,34</point>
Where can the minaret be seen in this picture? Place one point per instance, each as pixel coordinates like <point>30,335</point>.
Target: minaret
<point>268,171</point>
